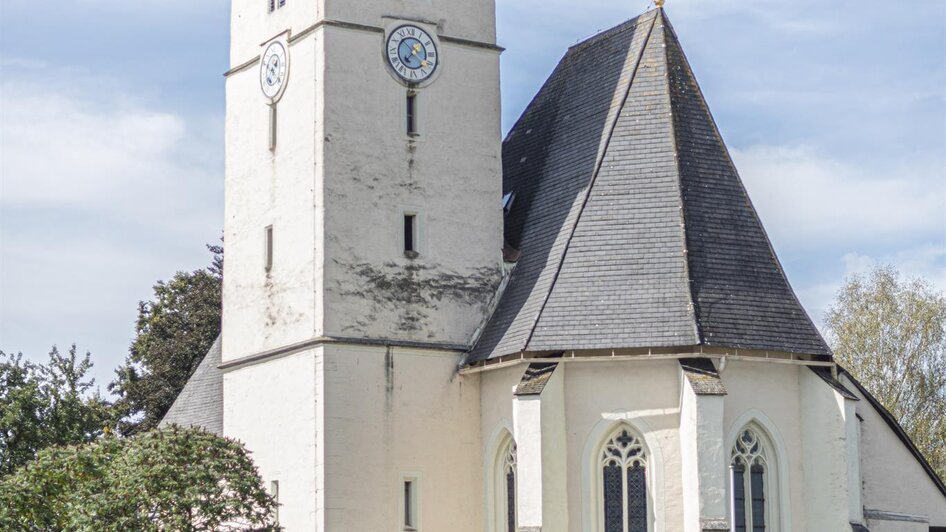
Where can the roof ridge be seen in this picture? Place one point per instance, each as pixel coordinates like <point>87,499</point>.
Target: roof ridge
<point>688,279</point>
<point>594,176</point>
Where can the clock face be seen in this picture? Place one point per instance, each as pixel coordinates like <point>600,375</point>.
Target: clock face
<point>274,70</point>
<point>412,53</point>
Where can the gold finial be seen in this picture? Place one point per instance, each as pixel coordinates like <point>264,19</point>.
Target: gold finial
<point>659,3</point>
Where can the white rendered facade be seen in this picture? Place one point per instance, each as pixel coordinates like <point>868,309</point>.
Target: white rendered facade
<point>340,358</point>
<point>337,422</point>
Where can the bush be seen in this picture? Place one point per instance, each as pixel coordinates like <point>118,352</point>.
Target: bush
<point>172,479</point>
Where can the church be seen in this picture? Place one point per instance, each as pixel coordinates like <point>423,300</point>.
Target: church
<point>582,327</point>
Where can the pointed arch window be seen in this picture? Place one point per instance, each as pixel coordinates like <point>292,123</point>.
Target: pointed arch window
<point>503,483</point>
<point>623,483</point>
<point>752,482</point>
<point>509,485</point>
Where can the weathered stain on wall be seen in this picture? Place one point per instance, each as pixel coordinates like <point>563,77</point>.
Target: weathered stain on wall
<point>413,292</point>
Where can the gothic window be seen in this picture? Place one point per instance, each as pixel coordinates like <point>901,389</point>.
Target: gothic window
<point>624,500</point>
<point>509,480</point>
<point>751,473</point>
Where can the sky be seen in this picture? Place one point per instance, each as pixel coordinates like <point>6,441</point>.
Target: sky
<point>111,141</point>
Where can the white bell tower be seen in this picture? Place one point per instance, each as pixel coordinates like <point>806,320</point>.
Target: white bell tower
<point>363,237</point>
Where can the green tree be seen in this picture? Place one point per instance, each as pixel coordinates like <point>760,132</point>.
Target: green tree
<point>173,333</point>
<point>43,405</point>
<point>891,335</point>
<point>172,479</point>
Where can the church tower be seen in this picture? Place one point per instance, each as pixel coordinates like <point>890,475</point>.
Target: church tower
<point>364,247</point>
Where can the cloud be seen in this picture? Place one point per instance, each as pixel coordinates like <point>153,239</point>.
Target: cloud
<point>925,260</point>
<point>103,154</point>
<point>811,200</point>
<point>102,193</point>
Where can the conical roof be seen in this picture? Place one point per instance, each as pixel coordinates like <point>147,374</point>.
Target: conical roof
<point>634,228</point>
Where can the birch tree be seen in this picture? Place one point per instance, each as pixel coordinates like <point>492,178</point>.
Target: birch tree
<point>890,333</point>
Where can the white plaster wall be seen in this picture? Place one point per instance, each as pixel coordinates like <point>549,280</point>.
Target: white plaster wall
<point>555,453</point>
<point>496,416</point>
<point>690,458</point>
<point>648,393</point>
<point>389,413</point>
<point>705,458</point>
<point>251,23</point>
<point>540,427</point>
<point>893,480</point>
<point>267,310</point>
<point>527,411</point>
<point>374,172</point>
<point>342,176</point>
<point>771,392</point>
<point>824,454</point>
<point>272,409</point>
<point>473,20</point>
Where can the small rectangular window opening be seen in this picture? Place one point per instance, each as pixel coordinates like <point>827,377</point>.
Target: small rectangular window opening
<point>410,509</point>
<point>412,114</point>
<point>273,118</point>
<point>274,492</point>
<point>273,4</point>
<point>269,249</point>
<point>410,235</point>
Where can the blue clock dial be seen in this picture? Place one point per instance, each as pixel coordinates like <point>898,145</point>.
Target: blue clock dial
<point>272,71</point>
<point>274,68</point>
<point>412,54</point>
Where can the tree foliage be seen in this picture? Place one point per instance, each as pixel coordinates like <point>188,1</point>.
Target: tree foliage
<point>173,333</point>
<point>891,335</point>
<point>42,405</point>
<point>172,479</point>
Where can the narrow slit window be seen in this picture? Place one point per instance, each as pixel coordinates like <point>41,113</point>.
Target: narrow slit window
<point>273,118</point>
<point>410,234</point>
<point>268,249</point>
<point>412,114</point>
<point>410,508</point>
<point>274,491</point>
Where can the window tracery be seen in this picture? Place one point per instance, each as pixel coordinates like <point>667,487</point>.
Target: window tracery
<point>509,477</point>
<point>750,472</point>
<point>623,465</point>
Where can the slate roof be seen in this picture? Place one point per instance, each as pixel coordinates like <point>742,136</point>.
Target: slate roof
<point>200,403</point>
<point>633,227</point>
<point>703,376</point>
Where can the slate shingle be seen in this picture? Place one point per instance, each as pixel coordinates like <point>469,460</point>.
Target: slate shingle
<point>633,225</point>
<point>200,403</point>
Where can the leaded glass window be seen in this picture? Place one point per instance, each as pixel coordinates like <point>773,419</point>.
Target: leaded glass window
<point>509,476</point>
<point>623,464</point>
<point>750,468</point>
